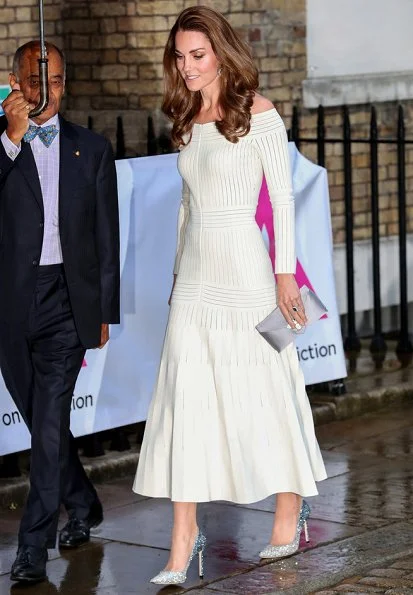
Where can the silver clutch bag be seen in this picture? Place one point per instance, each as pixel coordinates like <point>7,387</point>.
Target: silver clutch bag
<point>274,327</point>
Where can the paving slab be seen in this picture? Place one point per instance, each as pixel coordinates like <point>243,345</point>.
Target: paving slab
<point>318,568</point>
<point>342,433</point>
<point>106,568</point>
<point>358,589</point>
<point>390,579</point>
<point>406,563</point>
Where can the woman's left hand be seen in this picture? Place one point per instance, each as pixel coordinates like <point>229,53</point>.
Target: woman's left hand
<point>289,300</point>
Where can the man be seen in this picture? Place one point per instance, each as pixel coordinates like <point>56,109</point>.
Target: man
<point>59,291</point>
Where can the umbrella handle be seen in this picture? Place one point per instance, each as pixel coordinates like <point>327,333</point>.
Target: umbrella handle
<point>43,70</point>
<point>44,89</point>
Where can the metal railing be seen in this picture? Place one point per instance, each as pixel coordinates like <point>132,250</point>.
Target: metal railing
<point>378,344</point>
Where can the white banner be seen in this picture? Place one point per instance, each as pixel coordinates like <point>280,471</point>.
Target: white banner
<point>115,384</point>
<point>320,348</point>
<point>4,91</point>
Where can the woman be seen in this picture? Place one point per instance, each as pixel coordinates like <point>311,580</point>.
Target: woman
<point>230,419</point>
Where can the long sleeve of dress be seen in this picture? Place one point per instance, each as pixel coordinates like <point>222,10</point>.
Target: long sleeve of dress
<point>272,145</point>
<point>182,223</point>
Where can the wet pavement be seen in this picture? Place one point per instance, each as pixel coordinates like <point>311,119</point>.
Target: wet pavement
<point>391,579</point>
<point>361,529</point>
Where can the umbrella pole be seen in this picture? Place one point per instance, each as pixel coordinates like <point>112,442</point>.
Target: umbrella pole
<point>43,69</point>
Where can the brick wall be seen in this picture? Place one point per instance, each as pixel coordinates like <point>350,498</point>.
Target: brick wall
<point>114,48</point>
<point>114,51</point>
<point>387,114</point>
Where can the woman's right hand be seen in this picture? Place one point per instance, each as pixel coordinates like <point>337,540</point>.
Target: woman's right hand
<point>289,301</point>
<point>172,290</point>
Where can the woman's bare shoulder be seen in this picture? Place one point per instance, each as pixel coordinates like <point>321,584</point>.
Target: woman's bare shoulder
<point>261,104</point>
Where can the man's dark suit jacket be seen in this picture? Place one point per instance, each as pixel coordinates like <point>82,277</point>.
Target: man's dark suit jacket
<point>88,224</point>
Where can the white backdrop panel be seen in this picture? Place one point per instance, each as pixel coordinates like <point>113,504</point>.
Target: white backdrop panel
<point>115,384</point>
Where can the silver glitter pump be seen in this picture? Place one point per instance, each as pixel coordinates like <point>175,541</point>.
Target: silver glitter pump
<point>282,551</point>
<point>177,577</point>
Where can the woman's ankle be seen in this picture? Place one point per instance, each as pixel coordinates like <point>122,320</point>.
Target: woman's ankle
<point>288,500</point>
<point>288,506</point>
<point>185,533</point>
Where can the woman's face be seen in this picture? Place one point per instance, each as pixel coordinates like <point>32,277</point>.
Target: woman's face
<point>195,60</point>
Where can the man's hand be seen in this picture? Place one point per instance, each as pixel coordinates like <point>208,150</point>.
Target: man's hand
<point>104,335</point>
<point>289,300</point>
<point>16,109</point>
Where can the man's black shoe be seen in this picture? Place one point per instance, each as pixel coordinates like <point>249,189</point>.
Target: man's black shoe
<point>30,564</point>
<point>76,532</point>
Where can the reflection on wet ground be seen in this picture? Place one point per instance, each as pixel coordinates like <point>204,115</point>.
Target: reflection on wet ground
<point>362,518</point>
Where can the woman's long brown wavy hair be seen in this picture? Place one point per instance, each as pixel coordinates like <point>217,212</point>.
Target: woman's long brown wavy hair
<point>239,77</point>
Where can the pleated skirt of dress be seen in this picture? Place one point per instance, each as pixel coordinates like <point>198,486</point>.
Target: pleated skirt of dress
<point>230,418</point>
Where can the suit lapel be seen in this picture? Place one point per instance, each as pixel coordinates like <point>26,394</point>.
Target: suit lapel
<point>27,166</point>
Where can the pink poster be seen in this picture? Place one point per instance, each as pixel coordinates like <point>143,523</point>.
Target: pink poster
<point>264,218</point>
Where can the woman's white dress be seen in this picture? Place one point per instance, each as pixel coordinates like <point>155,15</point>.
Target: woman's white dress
<point>230,417</point>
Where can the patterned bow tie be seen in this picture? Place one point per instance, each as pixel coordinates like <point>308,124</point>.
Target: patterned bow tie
<point>47,134</point>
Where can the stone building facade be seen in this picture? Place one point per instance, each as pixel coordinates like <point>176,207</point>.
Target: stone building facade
<point>114,53</point>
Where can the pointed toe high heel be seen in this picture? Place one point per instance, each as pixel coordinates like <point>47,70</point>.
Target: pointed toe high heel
<point>282,551</point>
<point>178,577</point>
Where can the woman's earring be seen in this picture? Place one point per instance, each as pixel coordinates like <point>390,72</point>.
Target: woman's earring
<point>219,70</point>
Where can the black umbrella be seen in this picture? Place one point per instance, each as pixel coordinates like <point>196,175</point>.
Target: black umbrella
<point>43,70</point>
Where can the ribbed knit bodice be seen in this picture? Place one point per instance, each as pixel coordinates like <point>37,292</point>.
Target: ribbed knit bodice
<point>219,241</point>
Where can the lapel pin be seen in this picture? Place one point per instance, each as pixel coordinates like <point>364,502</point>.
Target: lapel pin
<point>77,153</point>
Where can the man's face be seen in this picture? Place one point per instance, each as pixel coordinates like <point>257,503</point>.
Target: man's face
<point>28,79</point>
